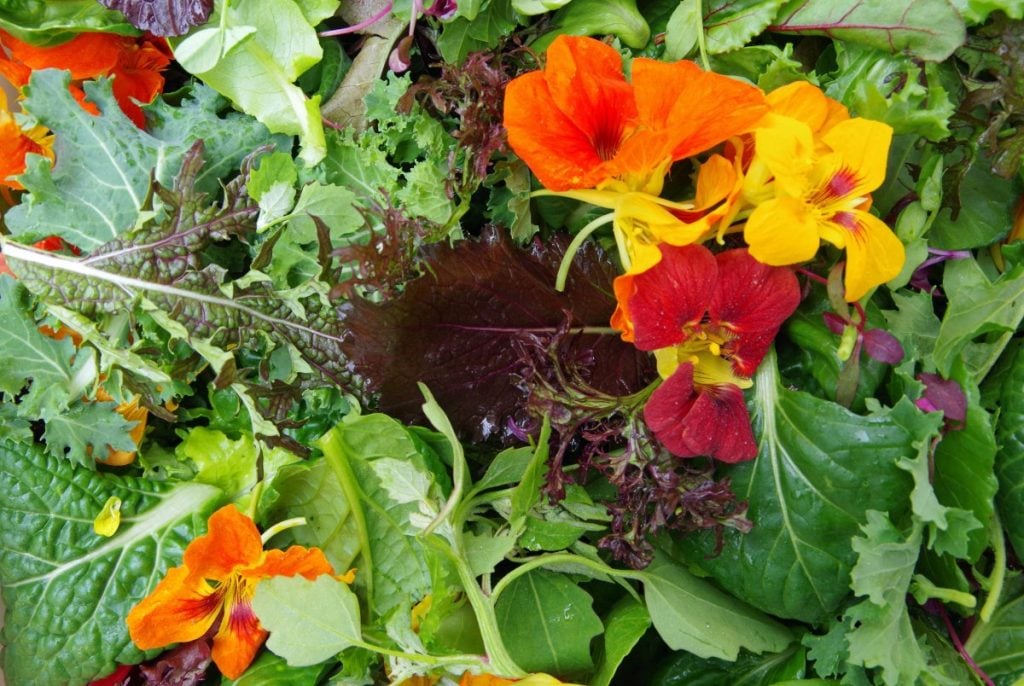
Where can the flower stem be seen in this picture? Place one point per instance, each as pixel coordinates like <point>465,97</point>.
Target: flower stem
<point>282,526</point>
<point>574,246</point>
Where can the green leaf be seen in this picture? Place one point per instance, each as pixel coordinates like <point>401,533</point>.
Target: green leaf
<point>963,466</point>
<point>692,615</point>
<point>271,670</point>
<point>464,35</point>
<point>508,467</point>
<point>686,669</point>
<point>107,152</point>
<point>67,589</point>
<point>1009,462</point>
<point>730,24</point>
<point>986,205</point>
<point>547,623</point>
<point>308,621</point>
<point>819,467</point>
<point>527,493</point>
<point>257,70</point>
<point>998,644</point>
<point>977,11</point>
<point>311,490</point>
<point>883,636</point>
<point>928,29</point>
<point>620,18</point>
<point>392,562</point>
<point>894,89</point>
<point>625,625</point>
<point>44,22</point>
<point>976,306</point>
<point>683,29</point>
<point>768,66</point>
<point>914,322</point>
<point>272,185</point>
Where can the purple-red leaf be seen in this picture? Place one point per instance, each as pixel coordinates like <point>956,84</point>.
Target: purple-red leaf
<point>163,17</point>
<point>882,346</point>
<point>834,322</point>
<point>456,329</point>
<point>946,396</point>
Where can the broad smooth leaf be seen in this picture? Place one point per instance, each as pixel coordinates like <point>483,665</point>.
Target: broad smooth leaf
<point>692,615</point>
<point>928,29</point>
<point>1009,463</point>
<point>686,669</point>
<point>547,623</point>
<point>457,329</point>
<point>625,625</point>
<point>818,469</point>
<point>67,589</point>
<point>308,621</point>
<point>998,644</point>
<point>271,670</point>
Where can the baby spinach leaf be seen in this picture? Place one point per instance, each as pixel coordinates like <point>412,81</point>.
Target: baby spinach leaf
<point>271,670</point>
<point>67,589</point>
<point>819,467</point>
<point>927,29</point>
<point>998,644</point>
<point>547,623</point>
<point>692,615</point>
<point>308,621</point>
<point>625,625</point>
<point>686,669</point>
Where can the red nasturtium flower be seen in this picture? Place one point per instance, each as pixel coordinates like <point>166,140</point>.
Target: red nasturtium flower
<point>134,63</point>
<point>709,319</point>
<point>579,122</point>
<point>216,584</point>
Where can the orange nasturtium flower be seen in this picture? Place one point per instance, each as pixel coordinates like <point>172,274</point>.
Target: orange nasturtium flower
<point>15,143</point>
<point>579,123</point>
<point>134,63</point>
<point>820,190</point>
<point>491,680</point>
<point>216,584</point>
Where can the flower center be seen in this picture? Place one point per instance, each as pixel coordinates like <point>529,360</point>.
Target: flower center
<point>707,349</point>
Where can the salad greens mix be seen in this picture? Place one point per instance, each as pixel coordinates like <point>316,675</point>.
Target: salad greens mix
<point>327,334</point>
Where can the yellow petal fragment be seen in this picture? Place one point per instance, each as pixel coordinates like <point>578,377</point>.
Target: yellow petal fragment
<point>782,231</point>
<point>863,145</point>
<point>874,255</point>
<point>109,519</point>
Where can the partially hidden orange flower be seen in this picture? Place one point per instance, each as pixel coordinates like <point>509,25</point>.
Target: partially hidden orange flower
<point>491,680</point>
<point>16,143</point>
<point>579,123</point>
<point>134,63</point>
<point>215,585</point>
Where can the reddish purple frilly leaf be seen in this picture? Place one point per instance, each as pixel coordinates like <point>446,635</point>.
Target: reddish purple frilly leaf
<point>455,329</point>
<point>692,422</point>
<point>163,17</point>
<point>442,9</point>
<point>883,346</point>
<point>834,322</point>
<point>942,395</point>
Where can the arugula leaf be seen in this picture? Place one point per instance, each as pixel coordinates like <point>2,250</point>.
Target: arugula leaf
<point>67,589</point>
<point>308,621</point>
<point>928,29</point>
<point>692,615</point>
<point>625,625</point>
<point>547,623</point>
<point>819,468</point>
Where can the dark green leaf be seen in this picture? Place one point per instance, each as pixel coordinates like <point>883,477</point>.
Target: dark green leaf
<point>67,589</point>
<point>818,469</point>
<point>1009,463</point>
<point>928,29</point>
<point>998,644</point>
<point>768,66</point>
<point>463,36</point>
<point>686,669</point>
<point>547,623</point>
<point>986,204</point>
<point>271,670</point>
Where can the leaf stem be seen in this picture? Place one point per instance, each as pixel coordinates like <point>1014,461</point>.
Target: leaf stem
<point>574,246</point>
<point>702,41</point>
<point>283,525</point>
<point>998,577</point>
<point>555,559</point>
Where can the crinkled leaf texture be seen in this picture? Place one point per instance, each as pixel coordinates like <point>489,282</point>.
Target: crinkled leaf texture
<point>67,589</point>
<point>164,17</point>
<point>1009,462</point>
<point>456,329</point>
<point>819,468</point>
<point>928,29</point>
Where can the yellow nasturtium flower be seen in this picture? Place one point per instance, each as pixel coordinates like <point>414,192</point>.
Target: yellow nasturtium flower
<point>820,190</point>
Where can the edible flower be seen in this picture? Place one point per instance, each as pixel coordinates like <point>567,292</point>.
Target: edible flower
<point>820,190</point>
<point>579,123</point>
<point>215,586</point>
<point>491,680</point>
<point>709,319</point>
<point>134,63</point>
<point>16,143</point>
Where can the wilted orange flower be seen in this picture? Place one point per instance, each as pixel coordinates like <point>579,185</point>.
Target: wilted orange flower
<point>216,584</point>
<point>579,122</point>
<point>134,63</point>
